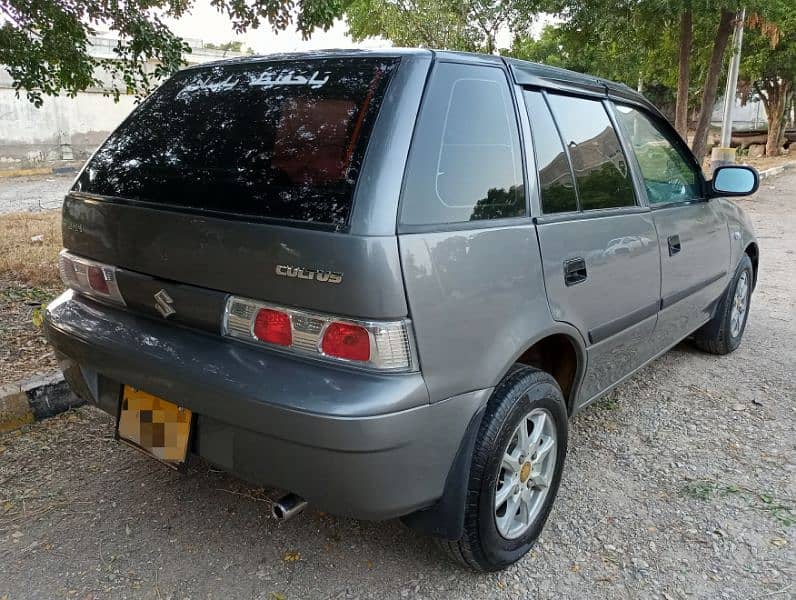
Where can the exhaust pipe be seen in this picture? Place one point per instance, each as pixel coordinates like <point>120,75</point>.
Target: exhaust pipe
<point>288,506</point>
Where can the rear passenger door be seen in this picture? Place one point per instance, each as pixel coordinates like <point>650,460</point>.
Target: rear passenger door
<point>599,247</point>
<point>692,234</point>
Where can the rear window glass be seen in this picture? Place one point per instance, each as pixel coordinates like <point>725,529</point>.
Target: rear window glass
<point>281,140</point>
<point>465,163</point>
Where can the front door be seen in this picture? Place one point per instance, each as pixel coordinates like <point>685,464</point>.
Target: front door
<point>599,246</point>
<point>692,234</point>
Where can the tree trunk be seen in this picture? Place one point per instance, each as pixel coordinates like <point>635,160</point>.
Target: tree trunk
<point>700,143</point>
<point>684,72</point>
<point>776,96</point>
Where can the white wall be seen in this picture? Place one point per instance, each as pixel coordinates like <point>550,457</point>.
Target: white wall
<point>30,134</point>
<point>77,125</point>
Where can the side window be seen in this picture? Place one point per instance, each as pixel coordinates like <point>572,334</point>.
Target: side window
<point>555,178</point>
<point>668,176</point>
<point>602,173</point>
<point>465,162</point>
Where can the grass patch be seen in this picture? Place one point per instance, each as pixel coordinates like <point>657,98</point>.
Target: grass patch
<point>29,246</point>
<point>610,402</point>
<point>26,294</point>
<point>707,490</point>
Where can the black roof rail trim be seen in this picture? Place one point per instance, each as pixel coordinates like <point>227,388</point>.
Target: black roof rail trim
<point>556,78</point>
<point>310,54</point>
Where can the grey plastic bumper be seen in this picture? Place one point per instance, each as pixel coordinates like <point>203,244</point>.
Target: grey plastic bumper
<point>354,443</point>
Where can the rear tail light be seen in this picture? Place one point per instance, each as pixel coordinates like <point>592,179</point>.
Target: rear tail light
<point>343,340</point>
<point>273,326</point>
<point>379,345</point>
<point>97,281</point>
<point>89,277</point>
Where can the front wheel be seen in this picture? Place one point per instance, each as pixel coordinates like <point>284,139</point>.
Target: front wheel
<point>723,333</point>
<point>516,469</point>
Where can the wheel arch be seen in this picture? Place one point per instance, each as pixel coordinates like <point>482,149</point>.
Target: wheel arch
<point>445,519</point>
<point>560,352</point>
<point>753,252</point>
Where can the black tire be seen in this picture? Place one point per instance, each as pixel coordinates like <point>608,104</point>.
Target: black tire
<point>482,547</point>
<point>716,335</point>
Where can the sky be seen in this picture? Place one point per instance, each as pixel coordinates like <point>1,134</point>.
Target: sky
<point>205,23</point>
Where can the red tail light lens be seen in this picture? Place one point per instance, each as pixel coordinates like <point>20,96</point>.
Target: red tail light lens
<point>96,279</point>
<point>90,278</point>
<point>273,326</point>
<point>350,342</point>
<point>378,345</point>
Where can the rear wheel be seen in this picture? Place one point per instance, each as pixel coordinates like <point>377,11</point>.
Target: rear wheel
<point>516,470</point>
<point>723,333</point>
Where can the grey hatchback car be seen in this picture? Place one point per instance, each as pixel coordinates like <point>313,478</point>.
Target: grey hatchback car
<point>384,281</point>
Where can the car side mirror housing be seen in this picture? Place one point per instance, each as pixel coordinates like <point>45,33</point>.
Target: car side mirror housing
<point>734,180</point>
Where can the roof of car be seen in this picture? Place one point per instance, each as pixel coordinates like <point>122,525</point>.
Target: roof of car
<point>530,73</point>
<point>524,72</point>
<point>309,54</point>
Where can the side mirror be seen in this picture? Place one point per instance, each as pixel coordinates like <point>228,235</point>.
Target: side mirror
<point>731,180</point>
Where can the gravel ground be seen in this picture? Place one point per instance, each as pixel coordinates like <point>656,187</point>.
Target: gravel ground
<point>38,192</point>
<point>680,484</point>
<point>24,351</point>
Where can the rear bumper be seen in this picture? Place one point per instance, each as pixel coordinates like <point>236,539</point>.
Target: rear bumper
<point>354,443</point>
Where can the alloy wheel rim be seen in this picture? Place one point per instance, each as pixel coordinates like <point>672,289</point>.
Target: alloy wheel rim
<point>740,301</point>
<point>525,473</point>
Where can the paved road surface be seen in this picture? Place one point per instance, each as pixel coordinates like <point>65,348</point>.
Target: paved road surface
<point>679,485</point>
<point>33,193</point>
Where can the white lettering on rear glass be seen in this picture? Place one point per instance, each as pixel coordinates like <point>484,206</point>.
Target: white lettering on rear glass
<point>270,78</point>
<point>210,86</point>
<point>267,79</point>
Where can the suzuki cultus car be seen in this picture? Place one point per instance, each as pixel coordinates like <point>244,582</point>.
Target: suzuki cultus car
<point>384,281</point>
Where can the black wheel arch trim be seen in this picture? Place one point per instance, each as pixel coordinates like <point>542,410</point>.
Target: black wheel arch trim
<point>445,518</point>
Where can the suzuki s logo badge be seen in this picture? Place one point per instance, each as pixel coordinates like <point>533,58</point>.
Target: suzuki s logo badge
<point>309,274</point>
<point>163,303</point>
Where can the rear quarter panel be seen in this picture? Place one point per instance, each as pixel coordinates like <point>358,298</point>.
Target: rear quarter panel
<point>477,301</point>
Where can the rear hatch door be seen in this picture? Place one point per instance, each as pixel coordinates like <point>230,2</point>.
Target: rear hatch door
<point>240,179</point>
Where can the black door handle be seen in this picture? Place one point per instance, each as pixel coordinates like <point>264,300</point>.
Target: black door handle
<point>674,244</point>
<point>575,271</point>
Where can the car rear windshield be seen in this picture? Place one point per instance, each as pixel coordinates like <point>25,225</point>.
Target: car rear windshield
<point>280,140</point>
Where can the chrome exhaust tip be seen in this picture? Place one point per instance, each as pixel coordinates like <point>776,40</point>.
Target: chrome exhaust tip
<point>288,506</point>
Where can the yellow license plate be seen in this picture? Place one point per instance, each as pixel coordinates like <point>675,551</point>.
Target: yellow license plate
<point>156,426</point>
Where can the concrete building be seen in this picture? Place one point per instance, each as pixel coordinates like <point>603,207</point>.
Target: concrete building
<point>69,128</point>
<point>745,117</point>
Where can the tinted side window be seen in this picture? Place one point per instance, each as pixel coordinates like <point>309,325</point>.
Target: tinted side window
<point>465,160</point>
<point>555,177</point>
<point>668,176</point>
<point>601,170</point>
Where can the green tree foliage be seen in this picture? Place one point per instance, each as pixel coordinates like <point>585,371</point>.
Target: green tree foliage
<point>230,47</point>
<point>768,68</point>
<point>470,25</point>
<point>44,43</point>
<point>638,43</point>
<point>428,23</point>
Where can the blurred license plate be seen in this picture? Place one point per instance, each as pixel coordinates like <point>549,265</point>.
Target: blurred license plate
<point>158,427</point>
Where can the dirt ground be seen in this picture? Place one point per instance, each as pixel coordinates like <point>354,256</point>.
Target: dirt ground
<point>764,162</point>
<point>681,484</point>
<point>29,246</point>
